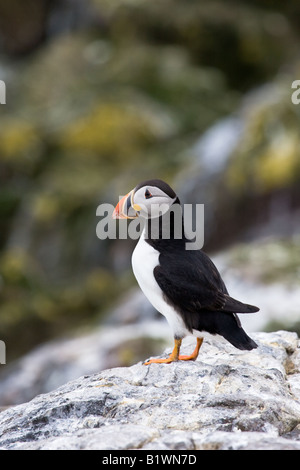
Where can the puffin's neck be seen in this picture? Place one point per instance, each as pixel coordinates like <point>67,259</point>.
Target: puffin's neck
<point>166,231</point>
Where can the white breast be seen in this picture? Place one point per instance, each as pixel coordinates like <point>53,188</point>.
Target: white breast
<point>144,259</point>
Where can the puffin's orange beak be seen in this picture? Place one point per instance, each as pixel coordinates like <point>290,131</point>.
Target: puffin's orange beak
<point>126,209</point>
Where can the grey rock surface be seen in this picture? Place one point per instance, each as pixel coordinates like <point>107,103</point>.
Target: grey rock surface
<point>52,364</point>
<point>132,330</point>
<point>227,399</point>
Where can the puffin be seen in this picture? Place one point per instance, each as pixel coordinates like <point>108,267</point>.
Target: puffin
<point>182,284</point>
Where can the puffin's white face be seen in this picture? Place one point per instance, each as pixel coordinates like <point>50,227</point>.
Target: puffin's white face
<point>152,201</point>
<point>148,200</point>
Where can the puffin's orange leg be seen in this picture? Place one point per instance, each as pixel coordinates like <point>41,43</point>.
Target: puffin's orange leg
<point>173,356</point>
<point>194,355</point>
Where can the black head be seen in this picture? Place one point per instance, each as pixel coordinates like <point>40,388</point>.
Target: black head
<point>159,184</point>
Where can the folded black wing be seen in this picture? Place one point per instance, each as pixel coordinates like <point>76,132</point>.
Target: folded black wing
<point>190,281</point>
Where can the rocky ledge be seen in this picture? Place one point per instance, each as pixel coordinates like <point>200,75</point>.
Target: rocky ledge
<point>227,399</point>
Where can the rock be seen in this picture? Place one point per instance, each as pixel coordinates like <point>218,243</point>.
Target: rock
<point>132,330</point>
<point>56,362</point>
<point>227,399</point>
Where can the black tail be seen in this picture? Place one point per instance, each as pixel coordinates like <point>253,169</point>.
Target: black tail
<point>224,324</point>
<point>240,340</point>
<point>233,305</point>
<point>230,328</point>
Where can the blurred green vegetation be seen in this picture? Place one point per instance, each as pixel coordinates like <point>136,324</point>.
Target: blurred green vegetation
<point>120,96</point>
<point>268,156</point>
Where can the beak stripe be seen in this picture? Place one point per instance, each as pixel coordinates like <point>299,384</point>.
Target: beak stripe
<point>128,204</point>
<point>135,207</point>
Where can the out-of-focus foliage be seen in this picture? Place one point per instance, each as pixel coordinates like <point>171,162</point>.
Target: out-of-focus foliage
<point>268,155</point>
<point>102,94</point>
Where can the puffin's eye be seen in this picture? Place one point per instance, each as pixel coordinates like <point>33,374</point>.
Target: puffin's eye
<point>148,195</point>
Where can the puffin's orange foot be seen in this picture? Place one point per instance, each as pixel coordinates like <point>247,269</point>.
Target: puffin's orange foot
<point>168,360</point>
<point>187,358</point>
<point>191,357</point>
<point>174,356</point>
<point>194,355</point>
